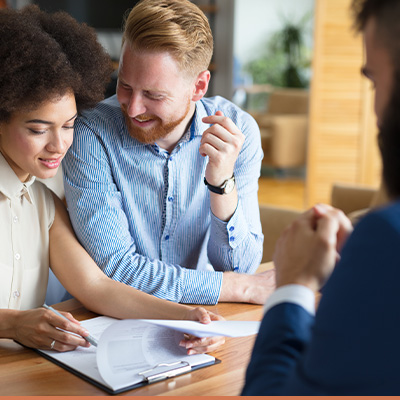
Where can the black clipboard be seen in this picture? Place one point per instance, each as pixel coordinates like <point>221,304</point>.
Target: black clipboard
<point>150,376</point>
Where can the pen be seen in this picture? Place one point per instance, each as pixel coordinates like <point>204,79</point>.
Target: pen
<point>88,338</point>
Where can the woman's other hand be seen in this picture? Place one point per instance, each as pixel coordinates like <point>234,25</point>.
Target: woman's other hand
<point>196,345</point>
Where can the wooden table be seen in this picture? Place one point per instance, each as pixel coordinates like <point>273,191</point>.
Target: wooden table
<point>23,372</point>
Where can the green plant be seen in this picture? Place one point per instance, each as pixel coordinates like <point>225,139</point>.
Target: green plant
<point>284,61</point>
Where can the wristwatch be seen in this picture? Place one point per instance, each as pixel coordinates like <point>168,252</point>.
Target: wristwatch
<point>225,188</point>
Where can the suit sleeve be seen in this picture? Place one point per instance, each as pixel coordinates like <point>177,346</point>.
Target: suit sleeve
<point>284,333</point>
<point>352,348</point>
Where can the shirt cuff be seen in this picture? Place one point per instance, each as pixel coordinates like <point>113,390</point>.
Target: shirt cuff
<point>201,287</point>
<point>233,232</point>
<point>296,294</point>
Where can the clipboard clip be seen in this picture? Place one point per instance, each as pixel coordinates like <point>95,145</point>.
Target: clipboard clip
<point>165,371</point>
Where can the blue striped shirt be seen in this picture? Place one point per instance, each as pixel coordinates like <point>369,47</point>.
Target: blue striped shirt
<point>144,214</point>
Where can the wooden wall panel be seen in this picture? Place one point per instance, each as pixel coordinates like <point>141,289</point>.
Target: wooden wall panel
<point>342,134</point>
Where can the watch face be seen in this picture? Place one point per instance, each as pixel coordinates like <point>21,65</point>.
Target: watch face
<point>230,184</point>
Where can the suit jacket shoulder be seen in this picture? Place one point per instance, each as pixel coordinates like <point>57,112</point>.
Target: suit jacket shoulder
<point>353,348</point>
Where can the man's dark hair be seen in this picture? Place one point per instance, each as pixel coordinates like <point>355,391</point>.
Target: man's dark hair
<point>387,16</point>
<point>389,142</point>
<point>43,56</point>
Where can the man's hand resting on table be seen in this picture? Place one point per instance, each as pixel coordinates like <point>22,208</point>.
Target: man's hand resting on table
<point>309,248</point>
<point>245,288</point>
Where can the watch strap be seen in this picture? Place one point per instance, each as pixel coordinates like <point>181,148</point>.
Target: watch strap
<point>214,189</point>
<point>218,189</point>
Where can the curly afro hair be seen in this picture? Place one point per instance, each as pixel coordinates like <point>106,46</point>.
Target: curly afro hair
<point>43,56</point>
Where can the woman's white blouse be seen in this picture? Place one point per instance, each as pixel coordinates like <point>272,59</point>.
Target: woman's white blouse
<point>26,215</point>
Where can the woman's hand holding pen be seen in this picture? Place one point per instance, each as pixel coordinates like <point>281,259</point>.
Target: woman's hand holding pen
<point>42,329</point>
<point>197,345</point>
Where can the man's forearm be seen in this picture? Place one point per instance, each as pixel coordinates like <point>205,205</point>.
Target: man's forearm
<point>245,288</point>
<point>223,206</point>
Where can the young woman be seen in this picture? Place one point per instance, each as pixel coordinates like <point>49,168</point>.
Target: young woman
<point>52,68</point>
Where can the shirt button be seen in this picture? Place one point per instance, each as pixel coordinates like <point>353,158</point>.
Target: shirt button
<point>17,256</point>
<point>15,219</point>
<point>232,238</point>
<point>16,294</point>
<point>232,228</point>
<point>167,237</point>
<point>171,158</point>
<point>170,198</point>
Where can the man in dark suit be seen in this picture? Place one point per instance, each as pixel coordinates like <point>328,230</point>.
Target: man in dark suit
<point>351,346</point>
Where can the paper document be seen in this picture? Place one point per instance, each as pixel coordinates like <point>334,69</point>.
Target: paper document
<point>215,328</point>
<point>129,351</point>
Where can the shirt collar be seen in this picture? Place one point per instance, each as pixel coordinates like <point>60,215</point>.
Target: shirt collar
<point>10,185</point>
<point>197,127</point>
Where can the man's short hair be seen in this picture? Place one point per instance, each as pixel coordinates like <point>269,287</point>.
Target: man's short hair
<point>178,27</point>
<point>387,16</point>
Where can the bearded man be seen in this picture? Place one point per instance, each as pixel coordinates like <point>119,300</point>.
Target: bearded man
<point>161,182</point>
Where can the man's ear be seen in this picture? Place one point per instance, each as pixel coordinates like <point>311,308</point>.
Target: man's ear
<point>201,85</point>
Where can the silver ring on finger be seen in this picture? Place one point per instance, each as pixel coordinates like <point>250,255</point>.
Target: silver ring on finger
<point>52,344</point>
